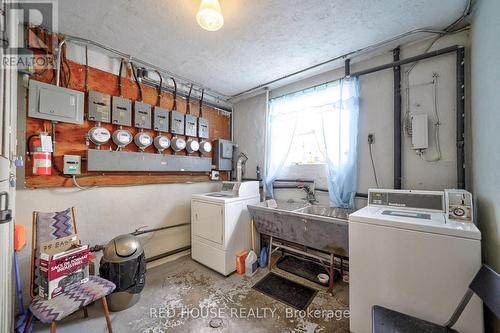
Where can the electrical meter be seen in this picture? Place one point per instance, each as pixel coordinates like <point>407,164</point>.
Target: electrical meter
<point>161,143</point>
<point>122,138</point>
<point>143,140</point>
<point>192,145</point>
<point>178,144</point>
<point>205,147</point>
<point>99,135</point>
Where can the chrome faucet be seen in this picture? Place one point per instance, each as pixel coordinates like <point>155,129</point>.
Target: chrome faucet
<point>310,195</point>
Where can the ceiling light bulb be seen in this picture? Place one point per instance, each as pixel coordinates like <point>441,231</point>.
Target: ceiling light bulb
<point>209,16</point>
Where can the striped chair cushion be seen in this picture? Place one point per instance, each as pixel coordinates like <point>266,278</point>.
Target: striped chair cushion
<point>65,304</point>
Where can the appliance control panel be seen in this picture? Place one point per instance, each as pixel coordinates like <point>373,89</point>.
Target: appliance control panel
<point>407,199</point>
<point>459,205</point>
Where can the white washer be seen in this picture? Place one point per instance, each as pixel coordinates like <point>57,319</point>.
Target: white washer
<point>405,255</point>
<point>220,225</point>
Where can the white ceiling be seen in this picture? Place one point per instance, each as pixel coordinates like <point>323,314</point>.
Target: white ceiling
<point>261,39</point>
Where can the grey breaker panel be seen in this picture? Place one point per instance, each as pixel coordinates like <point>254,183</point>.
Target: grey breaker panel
<point>99,107</point>
<point>121,111</point>
<point>47,101</point>
<point>160,119</point>
<point>142,115</point>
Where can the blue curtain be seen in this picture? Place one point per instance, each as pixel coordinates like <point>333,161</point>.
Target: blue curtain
<point>340,133</point>
<point>280,132</point>
<point>336,106</point>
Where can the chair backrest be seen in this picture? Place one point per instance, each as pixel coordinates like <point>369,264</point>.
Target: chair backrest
<point>486,285</point>
<point>46,227</point>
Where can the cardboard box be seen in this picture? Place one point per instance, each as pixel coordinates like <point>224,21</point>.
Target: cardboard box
<point>63,271</point>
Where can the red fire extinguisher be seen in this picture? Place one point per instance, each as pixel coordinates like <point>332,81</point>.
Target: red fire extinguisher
<point>42,162</point>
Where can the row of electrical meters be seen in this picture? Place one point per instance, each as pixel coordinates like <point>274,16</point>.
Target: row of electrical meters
<point>118,111</point>
<point>54,103</point>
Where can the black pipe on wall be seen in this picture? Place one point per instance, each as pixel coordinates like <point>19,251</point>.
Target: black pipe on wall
<point>397,120</point>
<point>460,66</point>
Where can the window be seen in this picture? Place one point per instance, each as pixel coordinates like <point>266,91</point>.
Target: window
<point>317,126</point>
<point>307,144</point>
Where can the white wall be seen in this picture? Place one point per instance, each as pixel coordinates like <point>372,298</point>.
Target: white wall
<point>485,125</point>
<point>106,212</point>
<point>376,116</point>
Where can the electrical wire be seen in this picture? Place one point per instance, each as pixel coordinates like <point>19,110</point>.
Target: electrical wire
<point>120,78</point>
<point>437,123</point>
<point>158,99</point>
<point>188,106</point>
<point>174,106</point>
<point>373,164</point>
<point>136,80</point>
<point>201,103</point>
<point>82,187</point>
<point>86,68</point>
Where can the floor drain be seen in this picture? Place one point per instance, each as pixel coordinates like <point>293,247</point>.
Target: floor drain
<point>216,323</point>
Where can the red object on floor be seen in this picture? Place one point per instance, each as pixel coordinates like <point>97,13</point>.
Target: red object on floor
<point>19,236</point>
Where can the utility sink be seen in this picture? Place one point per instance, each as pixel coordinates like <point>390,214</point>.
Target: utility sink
<point>339,213</point>
<point>315,226</point>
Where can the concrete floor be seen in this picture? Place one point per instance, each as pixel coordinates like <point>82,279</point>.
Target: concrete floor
<point>183,296</point>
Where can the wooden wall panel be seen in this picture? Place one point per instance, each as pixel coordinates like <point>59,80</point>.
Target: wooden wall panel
<point>70,138</point>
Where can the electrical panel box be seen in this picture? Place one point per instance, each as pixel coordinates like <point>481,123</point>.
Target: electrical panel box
<point>142,115</point>
<point>420,131</point>
<point>191,123</point>
<point>223,155</point>
<point>203,128</point>
<point>47,101</point>
<point>160,119</point>
<point>99,107</point>
<point>177,122</point>
<point>121,111</point>
<point>72,164</point>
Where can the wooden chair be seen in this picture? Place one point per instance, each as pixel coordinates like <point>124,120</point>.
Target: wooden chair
<point>49,226</point>
<point>486,285</point>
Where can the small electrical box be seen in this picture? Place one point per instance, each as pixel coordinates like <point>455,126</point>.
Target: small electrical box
<point>121,111</point>
<point>72,164</point>
<point>142,115</point>
<point>420,131</point>
<point>203,128</point>
<point>99,107</point>
<point>223,155</point>
<point>47,101</point>
<point>160,119</point>
<point>191,123</point>
<point>177,122</point>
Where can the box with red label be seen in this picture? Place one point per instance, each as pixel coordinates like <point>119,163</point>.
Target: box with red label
<point>63,271</point>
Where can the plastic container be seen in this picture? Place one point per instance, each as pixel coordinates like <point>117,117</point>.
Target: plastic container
<point>240,262</point>
<point>251,264</point>
<point>263,257</point>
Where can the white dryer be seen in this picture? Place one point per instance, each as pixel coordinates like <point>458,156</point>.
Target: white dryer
<point>220,224</point>
<point>406,255</point>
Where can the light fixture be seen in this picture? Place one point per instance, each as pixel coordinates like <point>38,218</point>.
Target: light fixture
<point>209,15</point>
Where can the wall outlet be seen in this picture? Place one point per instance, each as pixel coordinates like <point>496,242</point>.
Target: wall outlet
<point>371,138</point>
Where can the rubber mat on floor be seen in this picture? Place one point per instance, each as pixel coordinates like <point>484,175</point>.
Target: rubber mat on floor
<point>286,291</point>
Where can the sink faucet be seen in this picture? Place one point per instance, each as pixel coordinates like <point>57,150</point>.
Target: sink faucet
<point>310,195</point>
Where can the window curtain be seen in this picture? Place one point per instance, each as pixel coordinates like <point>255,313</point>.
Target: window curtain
<point>338,104</point>
<point>340,133</point>
<point>280,132</point>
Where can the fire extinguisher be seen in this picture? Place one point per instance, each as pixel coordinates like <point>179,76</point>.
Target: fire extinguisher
<point>42,162</point>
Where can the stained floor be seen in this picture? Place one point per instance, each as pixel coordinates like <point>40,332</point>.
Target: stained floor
<point>184,296</point>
